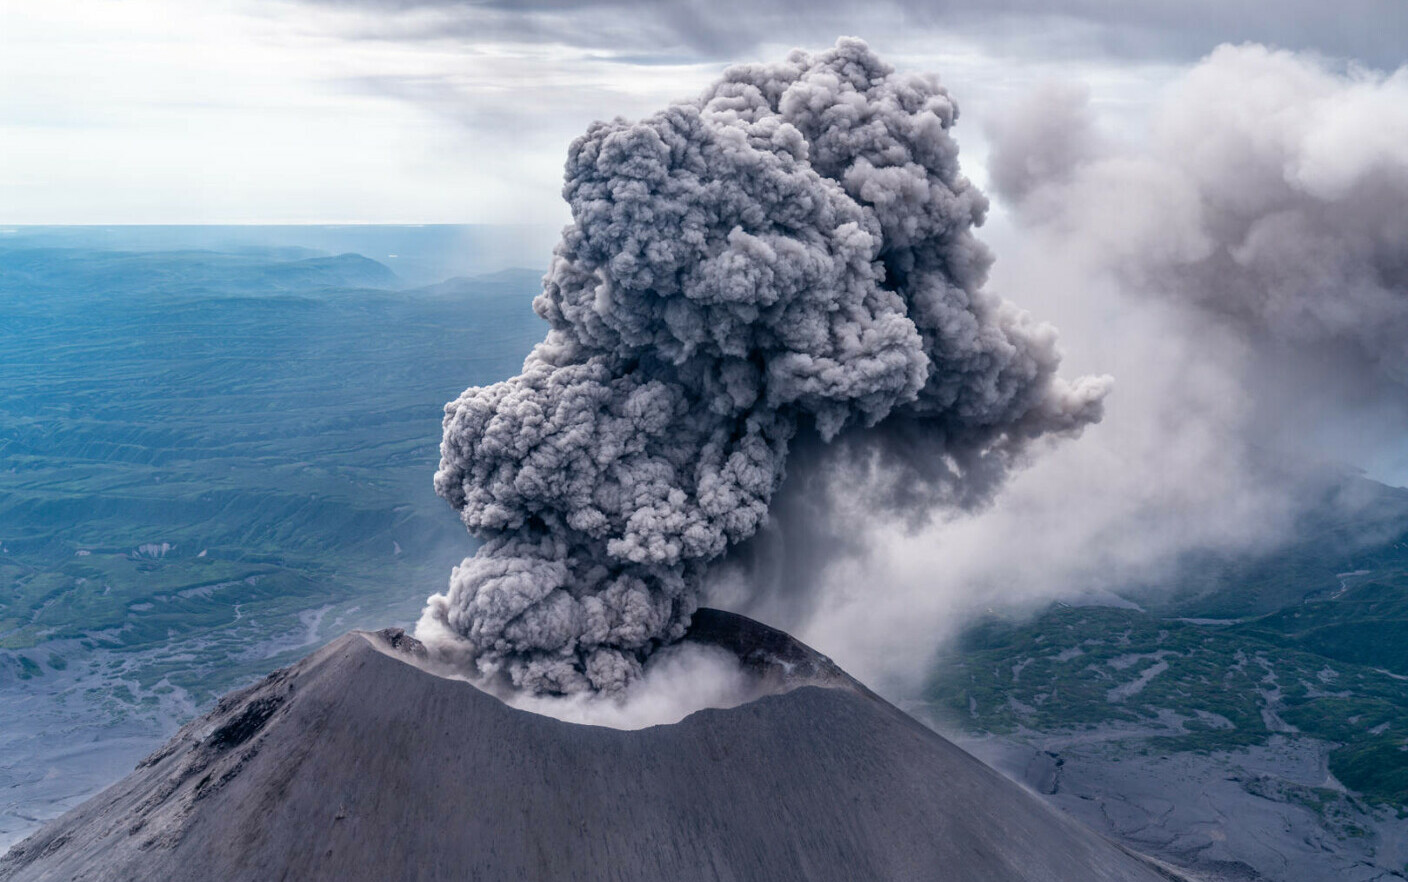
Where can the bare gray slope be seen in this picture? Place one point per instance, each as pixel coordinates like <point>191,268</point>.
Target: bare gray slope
<point>354,764</point>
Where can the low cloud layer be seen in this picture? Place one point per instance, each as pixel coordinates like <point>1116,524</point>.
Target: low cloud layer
<point>730,28</point>
<point>1270,194</point>
<point>787,260</point>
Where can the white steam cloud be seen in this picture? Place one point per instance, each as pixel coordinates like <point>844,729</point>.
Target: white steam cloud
<point>1241,265</point>
<point>790,256</point>
<point>1271,193</point>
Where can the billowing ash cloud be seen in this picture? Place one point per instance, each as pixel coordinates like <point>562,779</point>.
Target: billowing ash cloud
<point>1273,191</point>
<point>791,252</point>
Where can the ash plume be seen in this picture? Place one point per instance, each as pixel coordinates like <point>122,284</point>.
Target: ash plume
<point>791,254</point>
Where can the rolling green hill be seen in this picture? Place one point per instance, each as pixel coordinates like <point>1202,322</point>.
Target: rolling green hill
<point>194,443</point>
<point>1210,687</point>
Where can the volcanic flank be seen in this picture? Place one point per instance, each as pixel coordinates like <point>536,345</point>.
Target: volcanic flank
<point>358,763</point>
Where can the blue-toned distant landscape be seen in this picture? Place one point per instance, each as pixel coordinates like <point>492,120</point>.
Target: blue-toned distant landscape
<point>214,456</point>
<point>216,449</point>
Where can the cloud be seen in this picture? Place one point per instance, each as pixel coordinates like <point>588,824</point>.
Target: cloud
<point>1370,30</point>
<point>1270,193</point>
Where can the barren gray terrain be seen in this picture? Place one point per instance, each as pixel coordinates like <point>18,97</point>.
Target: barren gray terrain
<point>356,763</point>
<point>1266,812</point>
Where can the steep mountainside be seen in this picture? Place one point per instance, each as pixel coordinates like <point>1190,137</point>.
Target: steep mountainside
<point>356,763</point>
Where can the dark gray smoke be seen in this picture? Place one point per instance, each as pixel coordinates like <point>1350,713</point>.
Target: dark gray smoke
<point>791,252</point>
<point>1272,192</point>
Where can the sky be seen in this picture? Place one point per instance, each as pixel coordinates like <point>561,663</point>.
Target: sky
<point>446,111</point>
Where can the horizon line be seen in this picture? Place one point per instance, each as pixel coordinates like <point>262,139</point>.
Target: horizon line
<point>12,227</point>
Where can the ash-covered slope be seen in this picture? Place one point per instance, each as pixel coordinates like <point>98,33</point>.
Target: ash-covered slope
<point>357,764</point>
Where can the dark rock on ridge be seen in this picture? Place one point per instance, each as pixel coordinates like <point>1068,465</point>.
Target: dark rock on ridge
<point>356,764</point>
<point>777,660</point>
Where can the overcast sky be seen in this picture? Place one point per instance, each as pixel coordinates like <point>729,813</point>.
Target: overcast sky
<point>182,111</point>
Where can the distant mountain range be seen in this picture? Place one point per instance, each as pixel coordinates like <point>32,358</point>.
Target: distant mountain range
<point>419,254</point>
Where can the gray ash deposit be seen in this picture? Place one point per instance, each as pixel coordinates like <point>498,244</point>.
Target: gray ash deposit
<point>360,763</point>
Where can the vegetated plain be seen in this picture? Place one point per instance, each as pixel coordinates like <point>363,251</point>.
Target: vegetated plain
<point>191,439</point>
<point>209,463</point>
<point>1301,649</point>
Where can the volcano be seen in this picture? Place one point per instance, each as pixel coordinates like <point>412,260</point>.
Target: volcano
<point>361,763</point>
